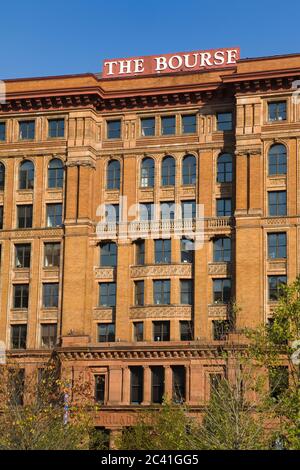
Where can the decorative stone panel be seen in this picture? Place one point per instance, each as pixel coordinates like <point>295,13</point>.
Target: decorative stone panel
<point>105,273</point>
<point>276,266</point>
<point>223,269</point>
<point>170,270</point>
<point>156,312</point>
<point>51,314</point>
<point>103,314</point>
<point>19,315</point>
<point>218,311</point>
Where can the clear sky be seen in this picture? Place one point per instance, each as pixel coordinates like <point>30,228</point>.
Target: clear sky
<point>57,37</point>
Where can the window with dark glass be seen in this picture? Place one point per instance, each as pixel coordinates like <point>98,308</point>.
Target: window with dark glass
<point>106,332</point>
<point>52,255</point>
<point>222,250</point>
<point>18,336</point>
<point>26,175</point>
<point>278,381</point>
<point>224,121</point>
<point>146,211</point>
<point>27,130</point>
<point>1,217</point>
<point>224,207</point>
<point>136,384</point>
<point>277,111</point>
<point>277,203</point>
<point>168,171</point>
<point>168,125</point>
<point>189,123</point>
<point>161,331</point>
<point>24,213</point>
<point>108,254</point>
<point>148,127</point>
<point>113,174</point>
<point>215,380</point>
<point>277,245</point>
<point>2,176</point>
<point>277,160</point>
<point>112,213</point>
<point>56,128</point>
<point>188,209</point>
<point>222,290</point>
<point>48,335</point>
<point>16,386</point>
<point>100,388</point>
<point>138,331</point>
<point>114,129</point>
<point>55,173</point>
<point>139,293</point>
<point>147,173</point>
<point>186,330</point>
<point>167,210</point>
<point>140,252</point>
<point>189,168</point>
<point>224,170</point>
<point>2,131</point>
<point>187,250</point>
<point>21,295</point>
<point>275,285</point>
<point>179,379</point>
<point>162,292</point>
<point>22,252</point>
<point>220,329</point>
<point>50,295</point>
<point>107,293</point>
<point>162,251</point>
<point>54,215</point>
<point>186,292</point>
<point>157,384</point>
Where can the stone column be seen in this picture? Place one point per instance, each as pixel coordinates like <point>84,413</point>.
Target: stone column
<point>147,386</point>
<point>168,383</point>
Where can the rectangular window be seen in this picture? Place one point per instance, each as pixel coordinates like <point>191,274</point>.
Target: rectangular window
<point>278,381</point>
<point>148,127</point>
<point>186,330</point>
<point>136,385</point>
<point>48,335</point>
<point>138,331</point>
<point>114,129</point>
<point>157,384</point>
<point>277,111</point>
<point>22,252</point>
<point>51,255</point>
<point>215,380</point>
<point>189,124</point>
<point>50,295</point>
<point>277,203</point>
<point>108,254</point>
<point>56,128</point>
<point>187,251</point>
<point>162,251</point>
<point>18,336</point>
<point>106,332</point>
<point>1,217</point>
<point>186,292</point>
<point>27,130</point>
<point>161,331</point>
<point>140,252</point>
<point>222,250</point>
<point>220,329</point>
<point>179,379</point>
<point>24,214</point>
<point>21,295</point>
<point>167,210</point>
<point>277,245</point>
<point>2,131</point>
<point>112,213</point>
<point>275,283</point>
<point>224,207</point>
<point>224,121</point>
<point>107,292</point>
<point>168,125</point>
<point>100,388</point>
<point>188,209</point>
<point>222,290</point>
<point>16,387</point>
<point>54,215</point>
<point>139,293</point>
<point>161,292</point>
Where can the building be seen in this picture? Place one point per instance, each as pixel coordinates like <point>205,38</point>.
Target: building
<point>143,316</point>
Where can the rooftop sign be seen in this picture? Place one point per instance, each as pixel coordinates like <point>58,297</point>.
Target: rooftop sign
<point>170,63</point>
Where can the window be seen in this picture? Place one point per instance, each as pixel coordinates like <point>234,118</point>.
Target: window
<point>16,385</point>
<point>215,380</point>
<point>112,213</point>
<point>56,128</point>
<point>140,252</point>
<point>108,254</point>
<point>1,217</point>
<point>107,294</point>
<point>54,215</point>
<point>50,295</point>
<point>147,173</point>
<point>277,245</point>
<point>168,125</point>
<point>138,331</point>
<point>220,329</point>
<point>148,127</point>
<point>278,381</point>
<point>21,294</point>
<point>277,203</point>
<point>157,384</point>
<point>222,250</point>
<point>187,250</point>
<point>24,216</point>
<point>113,174</point>
<point>222,290</point>
<point>100,388</point>
<point>48,335</point>
<point>2,131</point>
<point>224,121</point>
<point>277,160</point>
<point>224,170</point>
<point>55,173</point>
<point>162,292</point>
<point>18,336</point>
<point>114,129</point>
<point>2,177</point>
<point>161,331</point>
<point>146,211</point>
<point>22,252</point>
<point>136,384</point>
<point>275,284</point>
<point>189,124</point>
<point>162,251</point>
<point>26,175</point>
<point>106,332</point>
<point>27,130</point>
<point>51,255</point>
<point>224,207</point>
<point>178,373</point>
<point>186,330</point>
<point>168,171</point>
<point>188,209</point>
<point>186,292</point>
<point>139,293</point>
<point>189,170</point>
<point>277,111</point>
<point>167,210</point>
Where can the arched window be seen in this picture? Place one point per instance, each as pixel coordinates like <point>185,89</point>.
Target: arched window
<point>2,176</point>
<point>26,175</point>
<point>55,173</point>
<point>113,174</point>
<point>277,160</point>
<point>168,171</point>
<point>189,170</point>
<point>147,173</point>
<point>224,168</point>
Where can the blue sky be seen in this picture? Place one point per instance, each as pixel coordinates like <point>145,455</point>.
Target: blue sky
<point>56,37</point>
